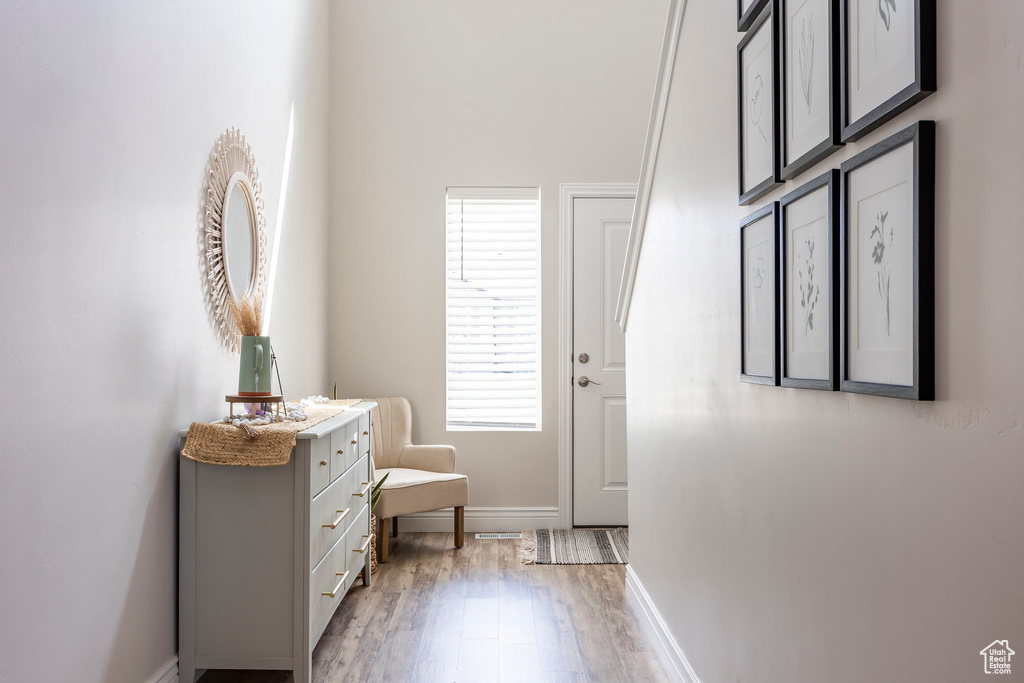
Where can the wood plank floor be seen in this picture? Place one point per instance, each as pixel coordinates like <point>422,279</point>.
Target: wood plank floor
<point>437,614</point>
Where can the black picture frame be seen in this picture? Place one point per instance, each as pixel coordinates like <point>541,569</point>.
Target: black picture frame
<point>744,20</point>
<point>767,20</point>
<point>830,180</point>
<point>925,79</point>
<point>922,136</point>
<point>773,379</point>
<point>833,141</point>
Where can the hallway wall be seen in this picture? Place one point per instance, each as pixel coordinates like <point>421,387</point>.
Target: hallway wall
<point>110,110</point>
<point>792,536</point>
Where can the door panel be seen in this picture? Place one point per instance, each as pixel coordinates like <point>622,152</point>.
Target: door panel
<point>613,443</point>
<point>614,236</point>
<point>600,482</point>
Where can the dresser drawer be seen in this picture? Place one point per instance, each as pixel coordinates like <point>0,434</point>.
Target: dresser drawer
<point>332,508</point>
<point>360,483</point>
<point>357,539</point>
<point>364,433</point>
<point>329,509</point>
<point>344,446</point>
<point>319,465</point>
<point>327,586</point>
<point>352,452</point>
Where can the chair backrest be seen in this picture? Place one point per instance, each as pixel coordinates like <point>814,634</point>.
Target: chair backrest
<point>392,430</point>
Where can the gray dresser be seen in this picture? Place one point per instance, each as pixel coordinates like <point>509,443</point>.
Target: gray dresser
<point>266,554</point>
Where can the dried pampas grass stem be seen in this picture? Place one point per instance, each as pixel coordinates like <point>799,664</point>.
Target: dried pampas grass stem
<point>248,315</point>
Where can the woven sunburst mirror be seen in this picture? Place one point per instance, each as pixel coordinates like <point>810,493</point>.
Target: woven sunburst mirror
<point>235,238</point>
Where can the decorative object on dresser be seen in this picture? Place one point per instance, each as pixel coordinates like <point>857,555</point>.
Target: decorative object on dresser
<point>887,260</point>
<point>757,58</point>
<point>420,478</point>
<point>889,60</point>
<point>810,122</point>
<point>234,234</point>
<point>759,297</point>
<point>254,372</point>
<point>267,553</point>
<point>220,443</point>
<point>264,418</point>
<point>809,234</point>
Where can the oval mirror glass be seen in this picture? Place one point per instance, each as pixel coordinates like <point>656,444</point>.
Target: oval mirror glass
<point>239,240</point>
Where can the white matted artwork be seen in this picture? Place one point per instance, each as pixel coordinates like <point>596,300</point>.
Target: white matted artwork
<point>810,84</point>
<point>880,263</point>
<point>759,302</point>
<point>808,231</point>
<point>889,60</point>
<point>887,257</point>
<point>758,103</point>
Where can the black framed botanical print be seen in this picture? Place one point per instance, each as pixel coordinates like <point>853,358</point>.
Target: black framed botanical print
<point>809,37</point>
<point>759,300</point>
<point>887,300</point>
<point>758,105</point>
<point>809,262</point>
<point>888,62</point>
<point>747,11</point>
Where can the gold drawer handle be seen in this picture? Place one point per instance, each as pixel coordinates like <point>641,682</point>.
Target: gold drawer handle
<point>341,451</point>
<point>366,489</point>
<point>353,442</point>
<point>341,515</point>
<point>337,588</point>
<point>366,433</point>
<point>366,545</point>
<point>323,463</point>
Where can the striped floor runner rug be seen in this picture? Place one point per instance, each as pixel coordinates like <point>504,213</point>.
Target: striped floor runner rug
<point>575,546</point>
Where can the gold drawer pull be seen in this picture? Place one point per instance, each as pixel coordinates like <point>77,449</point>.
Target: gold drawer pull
<point>341,515</point>
<point>323,463</point>
<point>366,488</point>
<point>366,545</point>
<point>337,588</point>
<point>366,433</point>
<point>341,451</point>
<point>353,442</point>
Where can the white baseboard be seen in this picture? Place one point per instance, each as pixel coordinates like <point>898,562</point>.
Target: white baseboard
<point>168,673</point>
<point>479,519</point>
<point>665,646</point>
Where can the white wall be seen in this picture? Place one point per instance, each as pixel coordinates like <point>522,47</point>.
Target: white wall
<point>795,536</point>
<point>109,112</point>
<point>459,92</point>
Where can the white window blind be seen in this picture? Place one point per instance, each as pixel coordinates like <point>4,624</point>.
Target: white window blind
<point>493,308</point>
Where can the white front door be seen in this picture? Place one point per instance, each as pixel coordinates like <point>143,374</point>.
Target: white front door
<point>600,232</point>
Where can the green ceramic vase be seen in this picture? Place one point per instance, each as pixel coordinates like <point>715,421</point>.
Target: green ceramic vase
<point>254,369</point>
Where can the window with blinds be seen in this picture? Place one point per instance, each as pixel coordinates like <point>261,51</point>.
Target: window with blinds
<point>493,308</point>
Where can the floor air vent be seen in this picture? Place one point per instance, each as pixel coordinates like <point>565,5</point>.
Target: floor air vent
<point>500,536</point>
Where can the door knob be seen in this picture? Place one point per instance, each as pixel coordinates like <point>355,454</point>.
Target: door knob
<point>584,357</point>
<point>585,381</point>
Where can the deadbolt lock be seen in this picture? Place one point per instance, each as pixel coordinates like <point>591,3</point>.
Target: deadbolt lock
<point>584,357</point>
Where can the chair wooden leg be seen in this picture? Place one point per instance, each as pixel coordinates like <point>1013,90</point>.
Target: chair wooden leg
<point>459,526</point>
<point>394,526</point>
<point>382,540</point>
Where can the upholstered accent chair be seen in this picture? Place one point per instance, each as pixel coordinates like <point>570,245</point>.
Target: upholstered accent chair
<point>420,478</point>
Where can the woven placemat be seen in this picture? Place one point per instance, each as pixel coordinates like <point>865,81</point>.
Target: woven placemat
<point>219,443</point>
